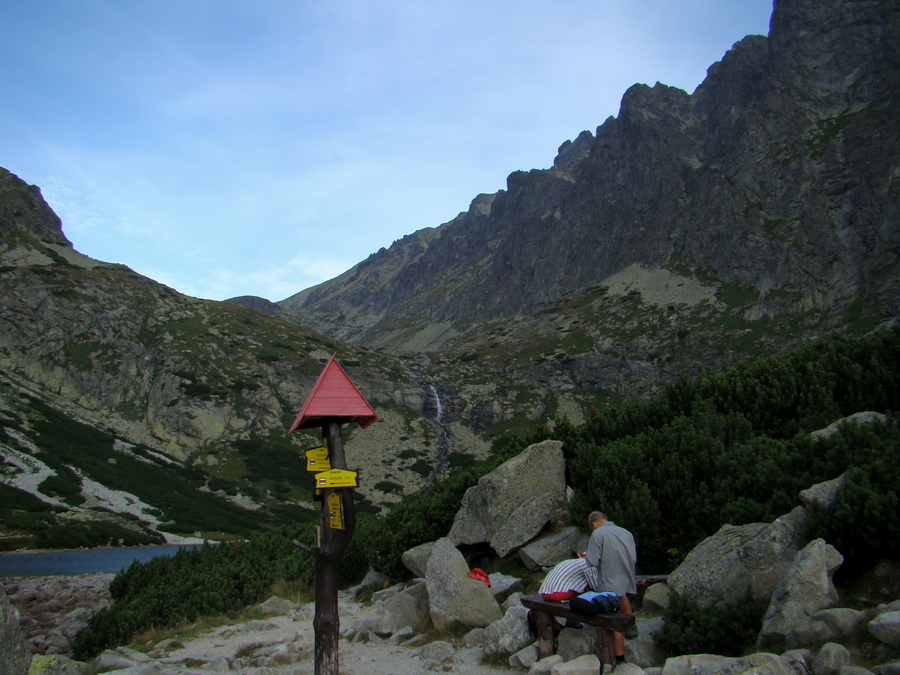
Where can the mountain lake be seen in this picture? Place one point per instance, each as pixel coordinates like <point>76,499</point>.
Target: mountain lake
<point>85,561</point>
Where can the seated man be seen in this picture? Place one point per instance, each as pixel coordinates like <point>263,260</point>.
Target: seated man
<point>567,579</point>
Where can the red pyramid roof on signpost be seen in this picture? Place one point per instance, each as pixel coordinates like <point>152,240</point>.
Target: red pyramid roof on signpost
<point>334,397</point>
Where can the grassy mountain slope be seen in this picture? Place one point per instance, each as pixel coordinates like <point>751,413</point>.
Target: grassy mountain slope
<point>146,384</point>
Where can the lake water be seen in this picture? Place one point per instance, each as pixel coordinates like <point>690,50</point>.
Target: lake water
<point>90,561</point>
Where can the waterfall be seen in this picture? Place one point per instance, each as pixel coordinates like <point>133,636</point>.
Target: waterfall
<point>438,407</point>
<point>442,451</point>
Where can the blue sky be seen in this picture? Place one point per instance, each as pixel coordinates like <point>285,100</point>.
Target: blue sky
<point>259,147</point>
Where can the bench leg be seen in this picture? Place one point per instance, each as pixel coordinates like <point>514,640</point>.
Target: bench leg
<point>606,646</point>
<point>545,633</point>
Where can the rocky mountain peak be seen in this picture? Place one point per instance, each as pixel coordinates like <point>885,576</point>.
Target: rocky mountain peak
<point>22,206</point>
<point>773,176</point>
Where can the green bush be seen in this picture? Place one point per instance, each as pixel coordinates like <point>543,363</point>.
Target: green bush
<point>731,446</point>
<point>862,523</point>
<point>727,629</point>
<point>65,485</point>
<point>274,458</point>
<point>14,499</point>
<point>90,534</point>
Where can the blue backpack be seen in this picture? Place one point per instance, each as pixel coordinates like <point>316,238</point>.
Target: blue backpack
<point>595,603</point>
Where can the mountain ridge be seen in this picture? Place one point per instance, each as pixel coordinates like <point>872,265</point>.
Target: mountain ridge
<point>743,181</point>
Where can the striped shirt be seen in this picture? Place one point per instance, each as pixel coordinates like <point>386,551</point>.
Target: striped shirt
<point>567,575</point>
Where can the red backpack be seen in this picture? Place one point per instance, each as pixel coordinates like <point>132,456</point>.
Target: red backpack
<point>481,575</point>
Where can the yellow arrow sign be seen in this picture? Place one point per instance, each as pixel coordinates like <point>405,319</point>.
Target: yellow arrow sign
<point>336,478</point>
<point>317,459</point>
<point>335,512</point>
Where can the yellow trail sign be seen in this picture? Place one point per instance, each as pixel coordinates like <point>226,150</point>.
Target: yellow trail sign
<point>335,512</point>
<point>336,478</point>
<point>317,459</point>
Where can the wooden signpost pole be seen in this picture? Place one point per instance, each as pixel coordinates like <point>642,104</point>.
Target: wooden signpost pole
<point>333,543</point>
<point>334,400</point>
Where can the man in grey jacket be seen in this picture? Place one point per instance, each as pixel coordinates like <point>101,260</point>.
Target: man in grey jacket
<point>611,558</point>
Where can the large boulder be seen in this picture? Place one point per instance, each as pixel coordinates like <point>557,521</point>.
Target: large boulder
<point>547,550</point>
<point>657,598</point>
<point>840,624</point>
<point>456,599</point>
<point>822,495</point>
<point>739,558</point>
<point>575,642</point>
<point>886,628</point>
<point>508,635</point>
<point>860,418</point>
<point>805,589</point>
<point>831,658</point>
<point>525,522</point>
<point>14,654</point>
<point>510,505</point>
<point>643,650</point>
<point>409,607</point>
<point>416,558</point>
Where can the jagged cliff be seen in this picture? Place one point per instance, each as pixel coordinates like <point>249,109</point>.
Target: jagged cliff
<point>777,176</point>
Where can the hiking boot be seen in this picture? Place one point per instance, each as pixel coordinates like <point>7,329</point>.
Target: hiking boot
<point>631,633</point>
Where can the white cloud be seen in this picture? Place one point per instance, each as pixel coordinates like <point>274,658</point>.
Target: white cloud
<point>272,280</point>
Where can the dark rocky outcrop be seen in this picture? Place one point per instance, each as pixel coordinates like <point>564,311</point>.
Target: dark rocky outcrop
<point>22,207</point>
<point>256,303</point>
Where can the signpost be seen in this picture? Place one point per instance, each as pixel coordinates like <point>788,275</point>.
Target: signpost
<point>333,401</point>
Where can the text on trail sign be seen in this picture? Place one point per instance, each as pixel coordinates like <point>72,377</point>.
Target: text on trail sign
<point>336,478</point>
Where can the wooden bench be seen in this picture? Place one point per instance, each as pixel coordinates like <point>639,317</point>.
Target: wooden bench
<point>605,625</point>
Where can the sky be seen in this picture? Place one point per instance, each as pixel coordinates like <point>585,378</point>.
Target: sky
<point>260,147</point>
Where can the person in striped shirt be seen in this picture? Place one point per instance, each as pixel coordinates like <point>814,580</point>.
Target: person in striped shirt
<point>567,579</point>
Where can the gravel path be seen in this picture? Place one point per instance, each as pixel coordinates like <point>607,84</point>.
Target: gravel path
<point>289,636</point>
<point>295,630</point>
